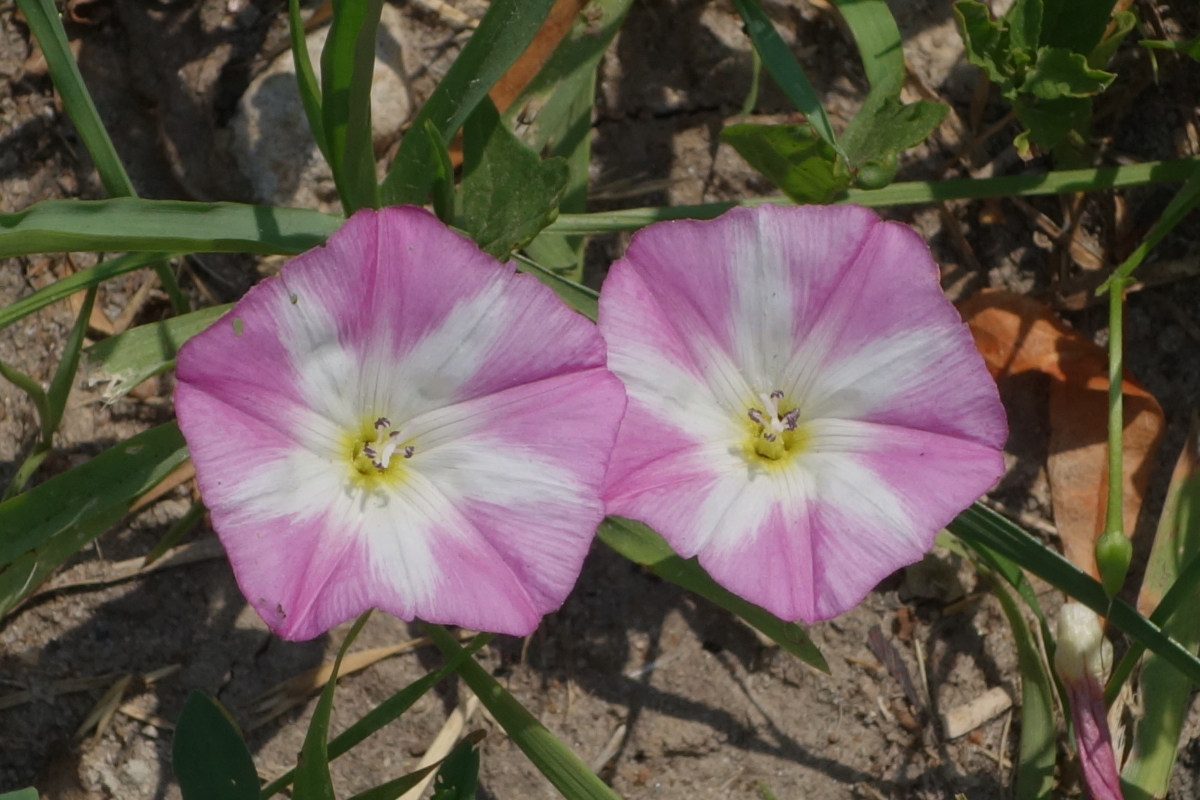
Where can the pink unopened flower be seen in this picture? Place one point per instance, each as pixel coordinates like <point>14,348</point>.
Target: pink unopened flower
<point>806,408</point>
<point>399,421</point>
<point>1083,659</point>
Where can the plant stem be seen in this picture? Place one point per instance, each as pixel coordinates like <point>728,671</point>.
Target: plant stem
<point>1114,521</point>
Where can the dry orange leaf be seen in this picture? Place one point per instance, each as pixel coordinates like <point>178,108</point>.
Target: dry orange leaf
<point>1017,334</point>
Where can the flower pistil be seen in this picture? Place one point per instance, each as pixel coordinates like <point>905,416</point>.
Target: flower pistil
<point>775,431</point>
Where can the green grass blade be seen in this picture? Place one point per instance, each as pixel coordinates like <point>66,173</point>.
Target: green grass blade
<point>1035,769</point>
<point>643,546</point>
<point>784,68</point>
<point>177,531</point>
<point>878,39</point>
<point>113,479</point>
<point>980,525</point>
<point>907,193</point>
<point>583,299</point>
<point>30,387</point>
<point>347,67</point>
<point>46,26</point>
<point>84,279</point>
<point>393,789</point>
<point>313,781</point>
<point>306,78</point>
<point>385,713</point>
<point>1180,206</point>
<point>129,224</point>
<point>502,35</point>
<point>1165,692</point>
<point>553,758</point>
<point>443,175</point>
<point>125,360</point>
<point>68,365</point>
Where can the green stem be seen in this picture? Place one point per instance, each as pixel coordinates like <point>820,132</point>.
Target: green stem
<point>1114,521</point>
<point>906,193</point>
<point>26,470</point>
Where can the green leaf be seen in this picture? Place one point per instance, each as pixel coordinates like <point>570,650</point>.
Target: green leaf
<point>886,127</point>
<point>553,758</point>
<point>306,78</point>
<point>64,374</point>
<point>125,360</point>
<point>46,25</point>
<point>458,779</point>
<point>209,756</point>
<point>84,279</point>
<point>1190,48</point>
<point>979,525</point>
<point>508,194</point>
<point>394,788</point>
<point>1075,25</point>
<point>443,175</point>
<point>111,480</point>
<point>347,67</point>
<point>313,781</point>
<point>1025,24</point>
<point>987,43</point>
<point>386,712</point>
<point>1061,73</point>
<point>129,224</point>
<point>1123,23</point>
<point>1049,121</point>
<point>640,544</point>
<point>21,794</point>
<point>502,35</point>
<point>790,156</point>
<point>1035,770</point>
<point>784,68</point>
<point>583,299</point>
<point>1165,693</point>
<point>878,39</point>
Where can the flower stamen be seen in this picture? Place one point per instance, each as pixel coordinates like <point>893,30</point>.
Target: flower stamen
<point>387,444</point>
<point>776,434</point>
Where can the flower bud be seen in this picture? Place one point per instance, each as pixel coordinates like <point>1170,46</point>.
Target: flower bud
<point>1083,659</point>
<point>1113,553</point>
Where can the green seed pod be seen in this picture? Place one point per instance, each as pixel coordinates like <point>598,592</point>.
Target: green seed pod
<point>876,173</point>
<point>1113,553</point>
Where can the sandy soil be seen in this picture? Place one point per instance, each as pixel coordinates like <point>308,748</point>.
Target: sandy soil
<point>666,695</point>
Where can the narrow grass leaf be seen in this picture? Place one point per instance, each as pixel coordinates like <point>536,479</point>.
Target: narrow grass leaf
<point>443,175</point>
<point>502,35</point>
<point>878,39</point>
<point>64,374</point>
<point>553,758</point>
<point>30,387</point>
<point>458,778</point>
<point>582,298</point>
<point>130,224</point>
<point>643,546</point>
<point>1179,207</point>
<point>980,525</point>
<point>1035,766</point>
<point>905,194</point>
<point>784,68</point>
<point>394,788</point>
<point>1165,693</point>
<point>209,756</point>
<point>111,480</point>
<point>313,781</point>
<point>306,79</point>
<point>386,712</point>
<point>84,279</point>
<point>347,67</point>
<point>125,360</point>
<point>46,25</point>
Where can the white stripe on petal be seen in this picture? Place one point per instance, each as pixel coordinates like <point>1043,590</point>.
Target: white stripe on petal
<point>763,296</point>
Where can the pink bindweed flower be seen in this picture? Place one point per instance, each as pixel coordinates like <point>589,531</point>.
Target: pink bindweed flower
<point>806,408</point>
<point>399,421</point>
<point>1083,659</point>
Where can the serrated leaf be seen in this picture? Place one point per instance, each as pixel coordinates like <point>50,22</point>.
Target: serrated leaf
<point>508,194</point>
<point>209,756</point>
<point>642,545</point>
<point>986,42</point>
<point>885,127</point>
<point>792,157</point>
<point>1123,23</point>
<point>1060,73</point>
<point>125,360</point>
<point>1049,121</point>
